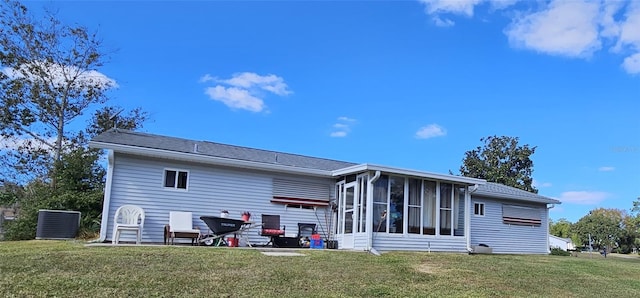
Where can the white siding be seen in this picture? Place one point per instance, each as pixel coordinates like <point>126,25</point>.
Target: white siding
<point>505,238</point>
<point>210,189</point>
<point>388,242</point>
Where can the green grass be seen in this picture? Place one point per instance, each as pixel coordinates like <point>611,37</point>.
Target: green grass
<point>69,269</point>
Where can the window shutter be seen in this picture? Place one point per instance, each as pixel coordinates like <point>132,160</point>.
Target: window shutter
<point>520,215</point>
<point>288,191</point>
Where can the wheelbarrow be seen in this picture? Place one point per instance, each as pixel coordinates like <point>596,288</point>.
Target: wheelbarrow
<point>220,228</point>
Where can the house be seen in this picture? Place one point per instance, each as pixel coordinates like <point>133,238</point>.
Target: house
<point>561,243</point>
<point>361,206</point>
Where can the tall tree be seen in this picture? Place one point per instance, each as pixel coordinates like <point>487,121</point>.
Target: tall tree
<point>48,77</point>
<point>606,227</point>
<point>80,177</point>
<point>501,160</point>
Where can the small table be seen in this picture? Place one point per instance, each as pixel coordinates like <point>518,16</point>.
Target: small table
<point>169,236</point>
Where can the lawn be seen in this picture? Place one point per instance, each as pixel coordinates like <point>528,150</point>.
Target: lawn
<point>59,268</point>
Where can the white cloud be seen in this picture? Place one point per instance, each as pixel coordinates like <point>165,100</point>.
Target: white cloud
<point>59,75</point>
<point>537,184</point>
<point>632,63</point>
<point>443,22</point>
<point>463,7</point>
<point>15,143</point>
<point>245,90</point>
<point>346,119</point>
<point>236,98</point>
<point>630,27</point>
<point>430,131</point>
<point>338,134</point>
<point>248,80</point>
<point>207,78</point>
<point>556,208</point>
<point>567,28</point>
<point>583,197</point>
<point>576,28</point>
<point>606,169</point>
<point>342,128</point>
<point>610,28</point>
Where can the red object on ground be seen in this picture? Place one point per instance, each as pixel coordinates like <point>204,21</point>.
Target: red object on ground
<point>232,242</point>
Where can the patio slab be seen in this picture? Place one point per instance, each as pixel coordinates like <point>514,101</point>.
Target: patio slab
<point>282,254</point>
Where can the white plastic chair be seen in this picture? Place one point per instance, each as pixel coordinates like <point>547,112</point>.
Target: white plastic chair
<point>181,226</point>
<point>128,218</point>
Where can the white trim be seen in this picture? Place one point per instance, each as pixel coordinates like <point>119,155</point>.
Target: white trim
<point>406,172</point>
<point>175,187</point>
<point>205,159</point>
<point>467,218</point>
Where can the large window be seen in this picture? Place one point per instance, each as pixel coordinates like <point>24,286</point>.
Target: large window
<point>446,206</point>
<point>396,210</point>
<point>175,179</point>
<point>458,211</point>
<point>380,202</point>
<point>421,207</point>
<point>415,206</point>
<point>429,196</point>
<point>362,204</point>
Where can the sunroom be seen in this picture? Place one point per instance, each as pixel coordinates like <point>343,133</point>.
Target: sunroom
<point>385,209</point>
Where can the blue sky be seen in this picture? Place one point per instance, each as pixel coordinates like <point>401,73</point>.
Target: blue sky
<point>409,84</point>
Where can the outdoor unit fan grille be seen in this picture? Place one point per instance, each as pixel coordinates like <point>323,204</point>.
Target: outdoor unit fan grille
<point>57,224</point>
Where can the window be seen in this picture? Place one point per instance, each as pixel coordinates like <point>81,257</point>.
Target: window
<point>429,211</point>
<point>380,198</point>
<point>478,209</point>
<point>446,206</point>
<point>362,203</point>
<point>175,179</point>
<point>459,209</point>
<point>406,205</point>
<point>415,206</point>
<point>396,208</point>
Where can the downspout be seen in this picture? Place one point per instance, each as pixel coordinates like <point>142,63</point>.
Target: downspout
<point>370,212</point>
<point>467,217</point>
<point>549,206</point>
<point>107,198</point>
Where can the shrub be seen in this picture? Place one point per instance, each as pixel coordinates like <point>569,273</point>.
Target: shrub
<point>559,252</point>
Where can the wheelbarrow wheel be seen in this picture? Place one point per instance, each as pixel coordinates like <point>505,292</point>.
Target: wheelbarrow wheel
<point>209,240</point>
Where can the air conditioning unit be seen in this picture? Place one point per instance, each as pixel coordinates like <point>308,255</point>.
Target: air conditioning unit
<point>57,224</point>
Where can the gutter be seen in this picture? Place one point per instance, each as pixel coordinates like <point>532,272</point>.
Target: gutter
<point>369,219</point>
<point>107,199</point>
<point>549,206</point>
<point>206,159</point>
<point>467,216</point>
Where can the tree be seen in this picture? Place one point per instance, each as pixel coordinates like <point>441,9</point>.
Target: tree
<point>606,227</point>
<point>501,160</point>
<point>560,228</point>
<point>48,78</point>
<point>80,179</point>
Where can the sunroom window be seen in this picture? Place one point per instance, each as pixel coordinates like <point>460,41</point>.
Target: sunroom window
<point>421,207</point>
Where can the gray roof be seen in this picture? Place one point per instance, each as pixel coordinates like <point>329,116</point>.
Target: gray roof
<point>204,148</point>
<point>496,190</point>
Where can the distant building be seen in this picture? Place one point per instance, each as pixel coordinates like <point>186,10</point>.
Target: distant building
<point>561,243</point>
